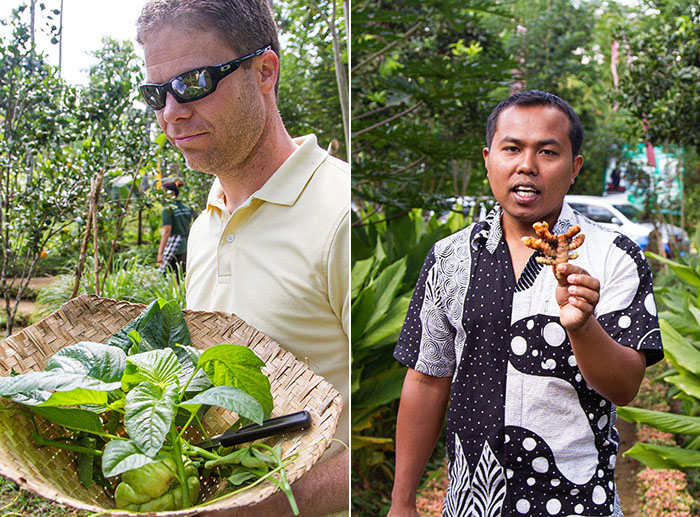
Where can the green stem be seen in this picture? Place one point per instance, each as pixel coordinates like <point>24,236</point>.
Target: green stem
<point>187,424</point>
<point>184,390</point>
<point>177,456</point>
<point>283,483</point>
<point>202,452</point>
<point>41,442</point>
<point>201,427</point>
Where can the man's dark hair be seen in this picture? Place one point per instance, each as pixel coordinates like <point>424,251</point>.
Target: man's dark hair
<point>246,25</point>
<point>538,98</point>
<point>169,185</point>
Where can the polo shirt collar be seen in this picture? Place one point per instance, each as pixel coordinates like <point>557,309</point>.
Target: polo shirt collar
<point>285,186</point>
<point>488,233</point>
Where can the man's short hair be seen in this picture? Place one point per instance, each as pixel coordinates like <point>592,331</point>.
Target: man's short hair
<point>538,98</point>
<point>245,25</point>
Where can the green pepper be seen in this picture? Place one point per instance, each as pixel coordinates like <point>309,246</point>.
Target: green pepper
<point>154,487</point>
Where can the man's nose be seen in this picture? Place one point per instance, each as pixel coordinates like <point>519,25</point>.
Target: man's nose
<point>527,163</point>
<point>174,110</point>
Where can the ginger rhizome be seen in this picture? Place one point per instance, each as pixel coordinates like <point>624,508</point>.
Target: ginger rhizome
<point>555,248</point>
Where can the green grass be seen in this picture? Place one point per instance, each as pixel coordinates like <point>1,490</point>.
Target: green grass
<point>15,501</point>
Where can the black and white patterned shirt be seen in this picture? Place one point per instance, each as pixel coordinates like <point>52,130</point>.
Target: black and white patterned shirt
<point>525,434</point>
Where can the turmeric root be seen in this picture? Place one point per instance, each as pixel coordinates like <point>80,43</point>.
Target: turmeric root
<point>555,248</point>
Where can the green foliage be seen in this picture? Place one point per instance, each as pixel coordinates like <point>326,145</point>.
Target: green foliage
<point>680,332</point>
<point>425,76</point>
<point>308,97</point>
<point>130,281</point>
<point>387,258</point>
<point>661,82</point>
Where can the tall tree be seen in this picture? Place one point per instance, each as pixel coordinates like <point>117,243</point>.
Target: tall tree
<point>424,77</point>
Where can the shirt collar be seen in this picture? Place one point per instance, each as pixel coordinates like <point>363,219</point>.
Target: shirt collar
<point>285,186</point>
<point>488,233</point>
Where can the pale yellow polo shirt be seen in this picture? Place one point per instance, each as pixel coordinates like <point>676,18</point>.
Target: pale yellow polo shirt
<point>280,262</point>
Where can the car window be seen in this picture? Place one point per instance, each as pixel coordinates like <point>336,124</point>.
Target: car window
<point>600,214</point>
<point>580,208</point>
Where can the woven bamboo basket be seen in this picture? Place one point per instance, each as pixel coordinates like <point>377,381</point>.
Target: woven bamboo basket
<point>52,473</point>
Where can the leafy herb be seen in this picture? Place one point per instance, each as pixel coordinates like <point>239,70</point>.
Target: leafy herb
<point>149,381</point>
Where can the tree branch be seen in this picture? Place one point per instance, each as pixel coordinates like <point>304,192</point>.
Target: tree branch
<point>387,47</point>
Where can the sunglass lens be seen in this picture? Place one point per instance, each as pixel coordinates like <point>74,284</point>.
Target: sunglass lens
<point>192,85</point>
<point>153,96</point>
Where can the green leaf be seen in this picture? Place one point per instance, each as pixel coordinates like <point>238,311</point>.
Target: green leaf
<point>97,360</point>
<point>86,462</point>
<point>386,287</point>
<point>687,383</point>
<point>664,457</point>
<point>149,413</point>
<point>666,422</point>
<point>71,418</point>
<point>685,273</point>
<point>390,324</point>
<point>238,366</point>
<point>229,398</point>
<point>156,366</point>
<point>678,350</point>
<point>53,380</point>
<point>360,271</point>
<point>122,455</point>
<point>160,325</point>
<point>76,397</point>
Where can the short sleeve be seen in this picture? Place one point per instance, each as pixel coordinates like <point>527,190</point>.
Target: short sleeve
<point>427,339</point>
<point>627,309</point>
<point>167,216</point>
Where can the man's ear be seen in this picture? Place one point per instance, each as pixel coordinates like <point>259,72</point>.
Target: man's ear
<point>578,163</point>
<point>268,67</point>
<point>485,154</point>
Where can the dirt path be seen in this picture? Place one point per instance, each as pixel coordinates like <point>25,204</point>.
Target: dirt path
<point>626,470</point>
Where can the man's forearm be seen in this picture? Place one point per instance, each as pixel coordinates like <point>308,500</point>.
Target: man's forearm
<point>166,230</point>
<point>613,370</point>
<point>420,418</point>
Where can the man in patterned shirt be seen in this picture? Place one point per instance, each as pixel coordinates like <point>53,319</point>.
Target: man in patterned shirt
<point>532,366</point>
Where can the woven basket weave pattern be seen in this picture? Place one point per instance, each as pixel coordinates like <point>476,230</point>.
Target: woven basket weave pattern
<point>52,473</point>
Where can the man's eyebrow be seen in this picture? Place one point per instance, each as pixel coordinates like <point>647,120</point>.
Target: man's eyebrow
<point>539,143</point>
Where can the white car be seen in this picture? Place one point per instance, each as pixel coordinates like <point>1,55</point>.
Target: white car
<point>616,216</point>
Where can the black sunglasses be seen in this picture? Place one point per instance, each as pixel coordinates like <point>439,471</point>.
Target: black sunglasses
<point>194,84</point>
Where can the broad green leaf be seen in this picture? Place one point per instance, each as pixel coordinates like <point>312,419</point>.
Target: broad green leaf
<point>666,422</point>
<point>664,457</point>
<point>386,287</point>
<point>388,325</point>
<point>97,360</point>
<point>380,389</point>
<point>149,413</point>
<point>76,397</point>
<point>361,310</point>
<point>678,350</point>
<point>685,273</point>
<point>695,312</point>
<point>53,380</point>
<point>122,455</point>
<point>687,383</point>
<point>238,366</point>
<point>71,418</point>
<point>360,271</point>
<point>160,325</point>
<point>156,366</point>
<point>229,398</point>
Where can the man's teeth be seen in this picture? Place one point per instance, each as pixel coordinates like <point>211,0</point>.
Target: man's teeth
<point>526,191</point>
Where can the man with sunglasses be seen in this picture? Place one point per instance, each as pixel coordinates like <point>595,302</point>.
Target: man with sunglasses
<point>272,245</point>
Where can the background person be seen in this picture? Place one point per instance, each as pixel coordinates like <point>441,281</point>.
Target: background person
<point>175,219</point>
<point>272,245</point>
